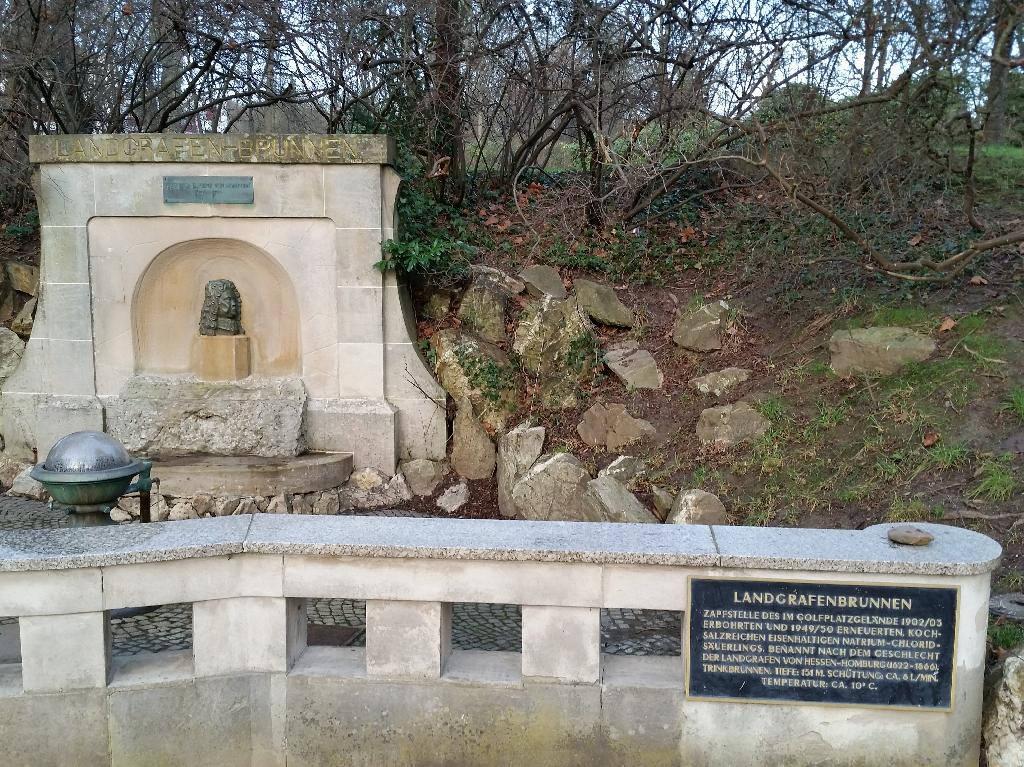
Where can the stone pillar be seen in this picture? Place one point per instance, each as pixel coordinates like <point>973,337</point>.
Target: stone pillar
<point>242,635</point>
<point>64,652</point>
<point>562,644</point>
<point>407,639</point>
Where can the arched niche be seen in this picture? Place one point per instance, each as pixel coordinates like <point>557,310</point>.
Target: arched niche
<point>169,296</point>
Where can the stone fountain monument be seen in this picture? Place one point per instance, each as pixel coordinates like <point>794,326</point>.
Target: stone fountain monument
<point>217,295</point>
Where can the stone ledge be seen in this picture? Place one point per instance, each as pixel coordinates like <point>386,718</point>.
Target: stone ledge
<point>955,551</point>
<point>71,548</point>
<point>282,149</point>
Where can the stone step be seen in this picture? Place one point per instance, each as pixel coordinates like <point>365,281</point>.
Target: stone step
<point>247,475</point>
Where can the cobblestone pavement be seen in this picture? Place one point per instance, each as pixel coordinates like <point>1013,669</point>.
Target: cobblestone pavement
<point>474,626</point>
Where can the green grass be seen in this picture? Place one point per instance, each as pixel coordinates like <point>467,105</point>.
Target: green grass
<point>1014,402</point>
<point>911,510</point>
<point>1012,581</point>
<point>773,408</point>
<point>1004,635</point>
<point>999,174</point>
<point>944,457</point>
<point>995,480</point>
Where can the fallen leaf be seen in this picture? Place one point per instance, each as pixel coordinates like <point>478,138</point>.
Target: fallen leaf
<point>518,240</point>
<point>491,221</point>
<point>947,324</point>
<point>978,280</point>
<point>915,240</point>
<point>930,438</point>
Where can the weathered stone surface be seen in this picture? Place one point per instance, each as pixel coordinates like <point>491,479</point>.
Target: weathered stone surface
<point>24,278</point>
<point>437,305</point>
<point>555,342</point>
<point>497,277</point>
<point>483,310</point>
<point>610,426</point>
<point>6,297</point>
<point>224,507</point>
<point>181,509</point>
<point>158,508</point>
<point>607,500</point>
<point>720,382</point>
<point>624,468</point>
<point>119,515</point>
<point>22,323</point>
<point>173,416</point>
<point>11,349</point>
<point>454,498</point>
<point>908,535</point>
<point>696,507</point>
<point>247,506</point>
<point>367,495</point>
<point>278,505</point>
<point>1003,723</point>
<point>517,452</point>
<point>731,424</point>
<point>701,329</point>
<point>422,475</point>
<point>634,366</point>
<point>24,486</point>
<point>602,304</point>
<point>203,504</point>
<point>468,366</point>
<point>367,478</point>
<point>10,469</point>
<point>473,455</point>
<point>663,501</point>
<point>327,503</point>
<point>302,504</point>
<point>877,350</point>
<point>542,280</point>
<point>552,489</point>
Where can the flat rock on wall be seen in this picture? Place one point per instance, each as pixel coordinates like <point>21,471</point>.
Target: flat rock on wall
<point>701,329</point>
<point>554,339</point>
<point>608,500</point>
<point>602,304</point>
<point>552,489</point>
<point>611,427</point>
<point>483,310</point>
<point>542,280</point>
<point>1003,726</point>
<point>517,452</point>
<point>634,366</point>
<point>697,507</point>
<point>730,425</point>
<point>720,382</point>
<point>162,416</point>
<point>468,366</point>
<point>880,350</point>
<point>473,453</point>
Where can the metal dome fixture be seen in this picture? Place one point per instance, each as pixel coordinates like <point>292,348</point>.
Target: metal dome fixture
<point>88,471</point>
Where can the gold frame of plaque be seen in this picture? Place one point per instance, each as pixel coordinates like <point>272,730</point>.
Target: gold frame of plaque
<point>843,704</point>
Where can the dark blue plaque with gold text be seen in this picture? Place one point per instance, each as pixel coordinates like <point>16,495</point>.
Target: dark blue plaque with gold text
<point>801,642</point>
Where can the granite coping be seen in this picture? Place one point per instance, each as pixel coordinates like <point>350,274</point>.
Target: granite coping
<point>955,551</point>
<point>507,540</point>
<point>279,149</point>
<point>68,548</point>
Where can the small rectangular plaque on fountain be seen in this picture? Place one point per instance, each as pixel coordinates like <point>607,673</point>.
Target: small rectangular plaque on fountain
<point>230,190</point>
<point>855,644</point>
